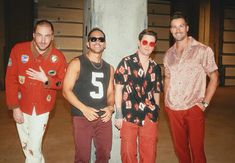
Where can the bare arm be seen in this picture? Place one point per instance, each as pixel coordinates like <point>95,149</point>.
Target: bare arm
<point>118,105</point>
<point>110,98</point>
<point>212,85</point>
<point>71,76</point>
<point>166,80</point>
<point>211,88</point>
<point>157,98</point>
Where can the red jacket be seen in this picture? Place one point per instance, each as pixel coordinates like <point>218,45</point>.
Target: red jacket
<point>26,93</point>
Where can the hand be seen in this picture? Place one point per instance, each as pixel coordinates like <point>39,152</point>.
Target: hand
<point>118,123</point>
<point>37,75</point>
<point>90,113</point>
<point>18,116</point>
<point>201,106</point>
<point>108,113</point>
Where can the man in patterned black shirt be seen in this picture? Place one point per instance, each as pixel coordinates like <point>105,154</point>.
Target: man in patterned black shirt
<point>138,85</point>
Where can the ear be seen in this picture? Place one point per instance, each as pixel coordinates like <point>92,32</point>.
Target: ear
<point>138,43</point>
<point>52,37</point>
<point>87,44</point>
<point>170,30</point>
<point>187,28</point>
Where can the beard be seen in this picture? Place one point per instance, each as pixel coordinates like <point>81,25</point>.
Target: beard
<point>42,47</point>
<point>98,51</point>
<point>179,36</point>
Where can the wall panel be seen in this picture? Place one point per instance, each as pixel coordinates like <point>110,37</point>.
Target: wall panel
<point>62,3</point>
<point>158,21</point>
<point>60,14</point>
<point>68,29</point>
<point>228,60</point>
<point>67,19</point>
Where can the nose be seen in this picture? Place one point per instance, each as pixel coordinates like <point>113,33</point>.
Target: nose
<point>177,29</point>
<point>43,39</point>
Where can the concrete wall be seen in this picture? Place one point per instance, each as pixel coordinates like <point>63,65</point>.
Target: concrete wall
<point>122,21</point>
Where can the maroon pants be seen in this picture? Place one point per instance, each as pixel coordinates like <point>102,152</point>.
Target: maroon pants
<point>84,132</point>
<point>188,130</point>
<point>147,139</point>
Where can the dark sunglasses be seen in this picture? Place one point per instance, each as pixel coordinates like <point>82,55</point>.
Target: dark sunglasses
<point>94,39</point>
<point>151,44</point>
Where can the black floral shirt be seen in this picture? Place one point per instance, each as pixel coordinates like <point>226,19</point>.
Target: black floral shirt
<point>139,88</point>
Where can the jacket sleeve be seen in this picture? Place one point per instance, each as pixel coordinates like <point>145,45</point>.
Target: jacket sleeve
<point>11,80</point>
<point>56,81</point>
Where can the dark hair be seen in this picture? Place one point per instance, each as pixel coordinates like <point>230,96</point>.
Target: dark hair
<point>147,32</point>
<point>95,29</point>
<point>43,22</point>
<point>177,15</point>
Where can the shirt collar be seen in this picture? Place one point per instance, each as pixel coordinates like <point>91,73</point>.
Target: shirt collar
<point>191,42</point>
<point>35,52</point>
<point>138,59</point>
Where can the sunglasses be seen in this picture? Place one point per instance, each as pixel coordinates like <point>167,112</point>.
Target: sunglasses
<point>94,39</point>
<point>151,44</point>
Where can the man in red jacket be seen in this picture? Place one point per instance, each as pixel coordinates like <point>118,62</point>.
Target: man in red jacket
<point>35,71</point>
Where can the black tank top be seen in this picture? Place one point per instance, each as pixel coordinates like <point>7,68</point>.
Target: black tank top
<point>92,84</point>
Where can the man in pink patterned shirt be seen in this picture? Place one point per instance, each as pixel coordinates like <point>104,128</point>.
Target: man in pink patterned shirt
<point>187,64</point>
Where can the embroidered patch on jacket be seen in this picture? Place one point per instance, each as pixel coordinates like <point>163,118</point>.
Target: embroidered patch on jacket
<point>58,84</point>
<point>24,58</point>
<point>52,72</point>
<point>21,79</point>
<point>48,98</point>
<point>54,58</point>
<point>9,62</point>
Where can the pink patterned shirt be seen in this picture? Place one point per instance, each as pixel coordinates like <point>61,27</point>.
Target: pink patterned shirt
<point>187,74</point>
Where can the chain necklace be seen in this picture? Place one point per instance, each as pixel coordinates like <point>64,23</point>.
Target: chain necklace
<point>97,66</point>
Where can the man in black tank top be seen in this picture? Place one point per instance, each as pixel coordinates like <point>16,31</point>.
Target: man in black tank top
<point>88,86</point>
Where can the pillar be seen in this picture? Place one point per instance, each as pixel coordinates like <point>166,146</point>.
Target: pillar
<point>122,21</point>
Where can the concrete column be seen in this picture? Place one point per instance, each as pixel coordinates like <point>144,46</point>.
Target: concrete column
<point>122,21</point>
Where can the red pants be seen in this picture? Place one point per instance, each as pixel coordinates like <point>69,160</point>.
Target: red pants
<point>147,139</point>
<point>84,132</point>
<point>188,130</point>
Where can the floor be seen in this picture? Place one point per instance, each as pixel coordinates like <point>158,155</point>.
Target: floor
<point>58,142</point>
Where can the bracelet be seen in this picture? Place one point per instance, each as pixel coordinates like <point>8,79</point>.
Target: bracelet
<point>46,82</point>
<point>205,104</point>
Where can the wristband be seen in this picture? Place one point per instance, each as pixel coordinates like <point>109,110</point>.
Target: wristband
<point>205,104</point>
<point>118,114</point>
<point>46,83</point>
